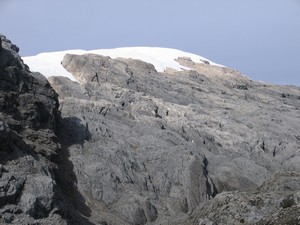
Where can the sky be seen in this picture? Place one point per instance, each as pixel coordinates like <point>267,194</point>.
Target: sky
<point>260,38</point>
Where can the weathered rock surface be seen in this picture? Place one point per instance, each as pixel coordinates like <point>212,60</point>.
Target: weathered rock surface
<point>28,144</point>
<point>154,147</point>
<point>32,159</point>
<point>129,145</point>
<point>276,202</point>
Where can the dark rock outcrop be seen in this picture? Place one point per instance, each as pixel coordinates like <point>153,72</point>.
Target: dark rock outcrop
<point>28,144</point>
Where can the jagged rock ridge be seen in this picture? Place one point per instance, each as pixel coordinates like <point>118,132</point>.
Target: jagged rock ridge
<point>180,147</point>
<point>30,151</point>
<point>28,144</point>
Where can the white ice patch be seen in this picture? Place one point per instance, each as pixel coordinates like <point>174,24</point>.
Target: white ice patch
<point>49,64</point>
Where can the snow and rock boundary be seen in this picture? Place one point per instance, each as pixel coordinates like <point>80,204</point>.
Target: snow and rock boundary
<point>49,63</point>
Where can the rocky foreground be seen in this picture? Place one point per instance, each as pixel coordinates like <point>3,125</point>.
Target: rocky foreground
<point>129,145</point>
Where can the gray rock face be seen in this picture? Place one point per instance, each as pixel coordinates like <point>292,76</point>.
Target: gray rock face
<point>154,147</point>
<point>276,201</point>
<point>28,144</point>
<point>129,145</point>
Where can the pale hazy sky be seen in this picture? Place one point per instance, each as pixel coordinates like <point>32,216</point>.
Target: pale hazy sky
<point>261,38</point>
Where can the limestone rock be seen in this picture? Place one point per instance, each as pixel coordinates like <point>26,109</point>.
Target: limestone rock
<point>160,145</point>
<point>129,145</point>
<point>276,201</point>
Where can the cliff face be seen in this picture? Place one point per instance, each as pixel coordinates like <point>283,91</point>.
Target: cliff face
<point>153,147</point>
<point>130,145</point>
<point>28,143</point>
<point>30,150</point>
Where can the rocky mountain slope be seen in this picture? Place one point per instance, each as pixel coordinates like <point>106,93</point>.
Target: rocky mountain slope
<point>28,143</point>
<point>130,145</point>
<point>31,190</point>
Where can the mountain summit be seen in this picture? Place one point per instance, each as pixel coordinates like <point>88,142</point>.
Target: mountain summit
<point>162,58</point>
<point>173,140</point>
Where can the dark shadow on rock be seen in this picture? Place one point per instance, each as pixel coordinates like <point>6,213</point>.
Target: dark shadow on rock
<point>71,131</point>
<point>13,147</point>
